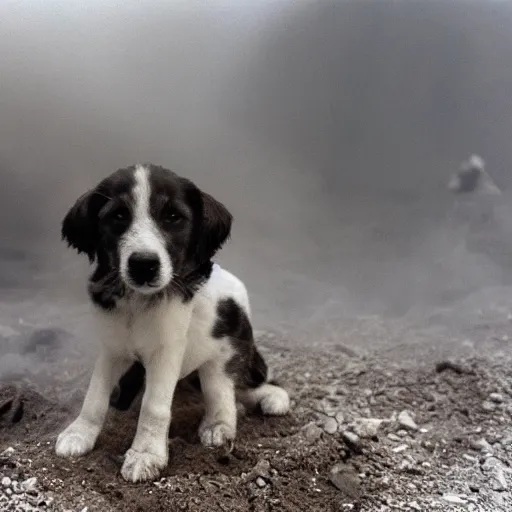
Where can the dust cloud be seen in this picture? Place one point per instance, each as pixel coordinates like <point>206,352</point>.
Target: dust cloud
<point>328,128</point>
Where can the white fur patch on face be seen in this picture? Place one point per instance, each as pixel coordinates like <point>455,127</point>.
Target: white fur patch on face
<point>144,237</point>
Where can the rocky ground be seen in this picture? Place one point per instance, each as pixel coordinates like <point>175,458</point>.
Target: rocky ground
<point>423,423</point>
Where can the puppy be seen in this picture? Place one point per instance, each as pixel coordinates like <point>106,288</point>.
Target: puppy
<point>163,307</point>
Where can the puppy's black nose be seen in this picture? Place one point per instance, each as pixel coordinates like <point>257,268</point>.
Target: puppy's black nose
<point>143,267</point>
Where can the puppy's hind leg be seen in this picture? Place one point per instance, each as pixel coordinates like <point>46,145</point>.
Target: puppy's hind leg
<point>128,387</point>
<point>271,398</point>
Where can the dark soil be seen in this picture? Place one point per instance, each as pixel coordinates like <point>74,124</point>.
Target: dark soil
<point>309,460</point>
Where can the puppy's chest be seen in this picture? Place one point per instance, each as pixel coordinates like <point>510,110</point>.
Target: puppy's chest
<point>138,333</point>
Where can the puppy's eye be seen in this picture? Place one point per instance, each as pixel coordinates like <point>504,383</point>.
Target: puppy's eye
<point>171,217</point>
<point>120,215</point>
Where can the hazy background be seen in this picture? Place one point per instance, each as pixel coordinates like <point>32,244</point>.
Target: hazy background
<point>329,129</point>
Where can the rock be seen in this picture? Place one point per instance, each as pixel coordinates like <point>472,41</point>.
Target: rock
<point>339,417</point>
<point>406,421</point>
<point>8,451</point>
<point>499,482</point>
<point>400,448</point>
<point>312,432</point>
<point>394,437</point>
<point>414,505</point>
<point>29,485</point>
<point>481,445</point>
<point>260,482</point>
<point>493,467</point>
<point>497,398</point>
<point>454,499</point>
<point>330,425</point>
<point>261,470</point>
<point>6,482</point>
<point>488,406</point>
<point>367,427</point>
<point>351,438</point>
<point>345,479</point>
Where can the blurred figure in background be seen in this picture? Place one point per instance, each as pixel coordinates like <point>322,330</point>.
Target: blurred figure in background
<point>478,211</point>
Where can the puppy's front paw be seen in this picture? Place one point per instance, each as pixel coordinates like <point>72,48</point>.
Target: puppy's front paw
<point>216,434</point>
<point>142,466</point>
<point>78,439</point>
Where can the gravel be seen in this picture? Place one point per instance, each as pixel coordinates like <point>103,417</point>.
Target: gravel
<point>352,442</point>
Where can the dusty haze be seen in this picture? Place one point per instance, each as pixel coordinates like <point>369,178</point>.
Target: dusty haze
<point>329,129</point>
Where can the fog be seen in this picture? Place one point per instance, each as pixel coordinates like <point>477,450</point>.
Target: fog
<point>329,129</point>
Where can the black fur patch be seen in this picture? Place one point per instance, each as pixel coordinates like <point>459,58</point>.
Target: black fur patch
<point>247,365</point>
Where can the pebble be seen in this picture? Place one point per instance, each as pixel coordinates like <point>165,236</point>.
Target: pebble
<point>6,482</point>
<point>330,426</point>
<point>394,437</point>
<point>8,451</point>
<point>344,478</point>
<point>400,448</point>
<point>488,406</point>
<point>339,417</point>
<point>499,483</point>
<point>367,427</point>
<point>481,445</point>
<point>29,485</point>
<point>497,398</point>
<point>494,468</point>
<point>262,469</point>
<point>414,505</point>
<point>406,421</point>
<point>312,432</point>
<point>452,498</point>
<point>351,438</point>
<point>260,482</point>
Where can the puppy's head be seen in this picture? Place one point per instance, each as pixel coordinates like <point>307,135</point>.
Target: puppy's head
<point>147,227</point>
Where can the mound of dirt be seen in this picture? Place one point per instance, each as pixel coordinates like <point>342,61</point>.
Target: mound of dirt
<point>364,434</point>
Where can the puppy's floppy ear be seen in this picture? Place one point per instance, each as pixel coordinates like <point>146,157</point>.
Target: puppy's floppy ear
<point>80,225</point>
<point>212,226</point>
<point>215,229</point>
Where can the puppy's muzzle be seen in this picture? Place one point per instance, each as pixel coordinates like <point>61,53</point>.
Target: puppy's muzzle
<point>144,268</point>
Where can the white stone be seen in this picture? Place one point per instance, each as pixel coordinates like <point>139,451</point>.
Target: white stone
<point>29,484</point>
<point>496,398</point>
<point>406,421</point>
<point>260,482</point>
<point>367,427</point>
<point>452,498</point>
<point>351,437</point>
<point>330,425</point>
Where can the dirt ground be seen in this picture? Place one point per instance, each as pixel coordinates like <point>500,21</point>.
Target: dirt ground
<point>418,426</point>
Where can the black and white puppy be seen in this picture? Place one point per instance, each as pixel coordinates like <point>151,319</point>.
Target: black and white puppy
<point>160,300</point>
